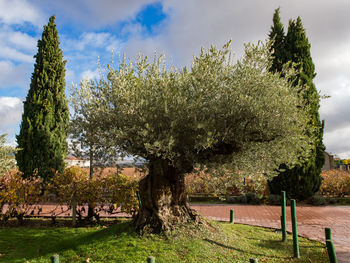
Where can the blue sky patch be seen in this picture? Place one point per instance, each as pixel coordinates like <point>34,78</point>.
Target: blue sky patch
<point>150,16</point>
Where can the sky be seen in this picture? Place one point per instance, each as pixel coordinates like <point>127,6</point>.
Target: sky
<point>90,30</point>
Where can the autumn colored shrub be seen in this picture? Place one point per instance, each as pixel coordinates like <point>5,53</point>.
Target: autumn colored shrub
<point>108,192</point>
<point>205,183</point>
<point>19,196</point>
<point>335,183</point>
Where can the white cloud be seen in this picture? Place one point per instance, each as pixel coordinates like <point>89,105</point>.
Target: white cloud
<point>92,39</point>
<point>19,12</point>
<point>10,116</point>
<point>20,40</point>
<point>94,14</point>
<point>90,74</point>
<point>14,75</point>
<point>13,54</point>
<point>89,42</point>
<point>338,141</point>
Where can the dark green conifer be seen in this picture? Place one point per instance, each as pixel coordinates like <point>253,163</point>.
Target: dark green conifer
<point>303,180</point>
<point>277,34</point>
<point>42,139</point>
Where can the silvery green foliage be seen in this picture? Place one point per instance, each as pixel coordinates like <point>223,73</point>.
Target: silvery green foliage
<point>86,136</point>
<point>221,113</point>
<point>6,160</point>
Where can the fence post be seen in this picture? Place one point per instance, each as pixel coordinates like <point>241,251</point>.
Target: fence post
<point>331,252</point>
<point>151,260</point>
<point>232,216</point>
<point>294,229</point>
<point>55,258</point>
<point>328,233</point>
<point>283,217</point>
<point>138,198</point>
<point>74,210</point>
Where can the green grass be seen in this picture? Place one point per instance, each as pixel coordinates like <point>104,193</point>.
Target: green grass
<point>119,243</point>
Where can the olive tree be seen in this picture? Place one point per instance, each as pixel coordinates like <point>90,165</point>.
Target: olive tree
<point>7,161</point>
<point>85,133</point>
<point>235,116</point>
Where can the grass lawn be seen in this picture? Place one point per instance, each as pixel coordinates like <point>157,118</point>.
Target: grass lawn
<point>117,242</point>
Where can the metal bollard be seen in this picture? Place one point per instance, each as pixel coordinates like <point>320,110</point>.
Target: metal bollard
<point>283,217</point>
<point>294,229</point>
<point>232,216</point>
<point>55,258</point>
<point>151,260</point>
<point>331,252</point>
<point>328,233</point>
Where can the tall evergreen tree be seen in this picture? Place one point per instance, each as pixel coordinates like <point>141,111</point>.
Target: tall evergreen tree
<point>303,180</point>
<point>277,34</point>
<point>42,139</point>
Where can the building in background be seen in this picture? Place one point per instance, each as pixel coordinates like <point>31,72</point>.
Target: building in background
<point>328,162</point>
<point>72,161</point>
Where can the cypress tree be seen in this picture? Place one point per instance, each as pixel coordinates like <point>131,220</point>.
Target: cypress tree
<point>277,34</point>
<point>304,180</point>
<point>42,139</point>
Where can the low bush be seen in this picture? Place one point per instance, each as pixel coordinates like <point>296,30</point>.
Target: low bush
<point>253,198</point>
<point>241,199</point>
<point>249,198</point>
<point>274,199</point>
<point>317,200</point>
<point>207,184</point>
<point>335,183</point>
<point>110,192</point>
<point>19,196</point>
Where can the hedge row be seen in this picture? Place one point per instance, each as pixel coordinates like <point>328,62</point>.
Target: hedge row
<point>110,193</point>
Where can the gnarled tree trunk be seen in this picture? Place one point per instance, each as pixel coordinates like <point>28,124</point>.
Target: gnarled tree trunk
<point>164,202</point>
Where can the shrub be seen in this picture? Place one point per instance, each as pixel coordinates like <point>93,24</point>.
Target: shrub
<point>241,199</point>
<point>109,192</point>
<point>274,199</point>
<point>335,183</point>
<point>19,196</point>
<point>253,198</point>
<point>317,200</point>
<point>206,183</point>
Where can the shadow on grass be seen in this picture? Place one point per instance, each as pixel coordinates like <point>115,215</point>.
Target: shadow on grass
<point>241,250</point>
<point>21,244</point>
<point>312,253</point>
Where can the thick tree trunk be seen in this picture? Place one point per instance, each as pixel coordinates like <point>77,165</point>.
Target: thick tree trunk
<point>163,200</point>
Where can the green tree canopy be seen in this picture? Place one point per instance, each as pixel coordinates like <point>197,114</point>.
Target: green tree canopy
<point>6,155</point>
<point>86,136</point>
<point>277,35</point>
<point>42,139</point>
<point>234,115</point>
<point>303,180</point>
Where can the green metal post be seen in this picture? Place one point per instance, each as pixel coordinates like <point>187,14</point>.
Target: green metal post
<point>283,217</point>
<point>55,258</point>
<point>151,260</point>
<point>253,260</point>
<point>139,198</point>
<point>232,216</point>
<point>328,233</point>
<point>294,230</point>
<point>331,251</point>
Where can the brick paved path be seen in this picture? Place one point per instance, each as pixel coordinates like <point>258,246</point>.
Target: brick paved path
<point>311,221</point>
